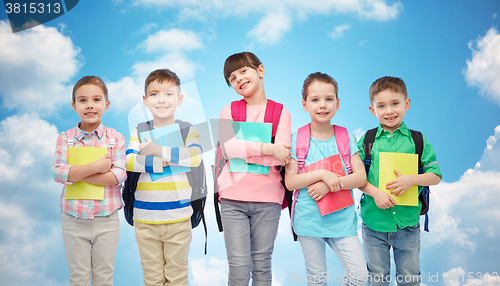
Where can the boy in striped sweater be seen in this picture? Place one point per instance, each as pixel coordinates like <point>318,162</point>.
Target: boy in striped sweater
<point>162,207</point>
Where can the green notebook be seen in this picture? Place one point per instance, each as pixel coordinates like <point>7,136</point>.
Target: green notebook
<point>253,132</point>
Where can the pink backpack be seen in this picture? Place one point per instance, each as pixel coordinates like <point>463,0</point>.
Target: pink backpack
<point>302,147</point>
<point>239,113</point>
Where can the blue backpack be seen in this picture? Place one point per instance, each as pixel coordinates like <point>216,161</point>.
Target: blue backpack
<point>196,177</point>
<point>424,195</point>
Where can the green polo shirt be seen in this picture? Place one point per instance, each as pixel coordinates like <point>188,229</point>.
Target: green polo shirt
<point>400,141</point>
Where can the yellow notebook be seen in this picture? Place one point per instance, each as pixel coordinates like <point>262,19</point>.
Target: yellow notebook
<point>82,190</point>
<point>406,164</point>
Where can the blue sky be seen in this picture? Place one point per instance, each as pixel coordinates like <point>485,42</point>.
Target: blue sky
<point>448,53</point>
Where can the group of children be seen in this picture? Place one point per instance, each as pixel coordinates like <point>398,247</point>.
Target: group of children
<point>251,203</point>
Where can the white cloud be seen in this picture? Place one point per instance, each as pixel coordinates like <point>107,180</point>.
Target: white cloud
<point>339,31</point>
<point>208,272</point>
<point>174,40</point>
<point>484,67</point>
<point>35,67</point>
<point>30,212</point>
<point>271,28</point>
<point>128,91</point>
<point>277,16</point>
<point>456,208</point>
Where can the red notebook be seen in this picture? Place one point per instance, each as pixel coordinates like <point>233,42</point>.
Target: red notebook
<point>333,201</point>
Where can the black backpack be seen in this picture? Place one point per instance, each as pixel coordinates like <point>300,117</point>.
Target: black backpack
<point>419,149</point>
<point>196,177</point>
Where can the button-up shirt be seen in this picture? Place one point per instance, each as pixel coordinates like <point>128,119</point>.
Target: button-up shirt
<point>88,209</point>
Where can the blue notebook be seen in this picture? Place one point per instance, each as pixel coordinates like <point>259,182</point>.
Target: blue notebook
<point>253,132</point>
<point>166,136</point>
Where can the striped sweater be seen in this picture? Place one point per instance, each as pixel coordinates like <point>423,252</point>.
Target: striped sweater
<point>166,200</point>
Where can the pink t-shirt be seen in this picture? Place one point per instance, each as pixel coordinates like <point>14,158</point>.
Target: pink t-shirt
<point>251,187</point>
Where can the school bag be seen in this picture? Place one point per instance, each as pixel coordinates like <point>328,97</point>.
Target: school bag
<point>239,113</point>
<point>302,148</point>
<point>424,195</point>
<point>196,177</point>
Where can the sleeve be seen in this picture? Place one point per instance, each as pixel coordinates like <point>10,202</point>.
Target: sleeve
<point>283,136</point>
<point>188,156</point>
<point>118,159</point>
<point>353,144</point>
<point>429,162</point>
<point>140,163</point>
<point>234,148</point>
<point>60,169</point>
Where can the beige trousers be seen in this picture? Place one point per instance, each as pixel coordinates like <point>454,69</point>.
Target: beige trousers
<point>90,247</point>
<point>164,250</point>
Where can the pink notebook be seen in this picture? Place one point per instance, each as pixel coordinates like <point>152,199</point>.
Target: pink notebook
<point>333,201</point>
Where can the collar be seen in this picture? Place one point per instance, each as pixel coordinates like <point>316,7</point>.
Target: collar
<point>100,130</point>
<point>402,129</point>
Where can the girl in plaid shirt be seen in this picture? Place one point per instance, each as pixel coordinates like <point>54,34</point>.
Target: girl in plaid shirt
<point>90,226</point>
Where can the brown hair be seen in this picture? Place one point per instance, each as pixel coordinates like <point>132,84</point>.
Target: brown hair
<point>239,60</point>
<point>90,79</point>
<point>388,82</point>
<point>162,75</point>
<point>321,77</point>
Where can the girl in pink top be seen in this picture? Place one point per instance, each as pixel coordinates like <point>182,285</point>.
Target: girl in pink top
<point>250,202</point>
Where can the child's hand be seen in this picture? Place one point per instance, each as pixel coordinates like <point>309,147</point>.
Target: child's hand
<point>332,180</point>
<point>401,184</point>
<point>103,164</point>
<point>150,148</point>
<point>164,164</point>
<point>282,153</point>
<point>383,200</point>
<point>318,190</point>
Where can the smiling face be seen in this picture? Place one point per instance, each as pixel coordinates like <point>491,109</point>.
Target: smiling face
<point>162,100</point>
<point>90,104</point>
<point>247,81</point>
<point>321,102</point>
<point>389,107</point>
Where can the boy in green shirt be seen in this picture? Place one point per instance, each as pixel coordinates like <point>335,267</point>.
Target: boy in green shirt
<point>386,224</point>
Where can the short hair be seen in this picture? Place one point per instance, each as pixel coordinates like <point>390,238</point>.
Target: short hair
<point>239,60</point>
<point>162,75</point>
<point>320,77</point>
<point>388,82</point>
<point>90,79</point>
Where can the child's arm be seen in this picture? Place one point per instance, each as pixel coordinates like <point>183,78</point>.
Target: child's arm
<point>141,163</point>
<point>61,168</point>
<point>431,173</point>
<point>189,155</point>
<point>382,199</point>
<point>117,174</point>
<point>358,176</point>
<point>296,181</point>
<point>404,182</point>
<point>101,166</point>
<point>279,152</point>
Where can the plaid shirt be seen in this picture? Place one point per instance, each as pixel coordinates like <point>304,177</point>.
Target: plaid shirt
<point>88,209</point>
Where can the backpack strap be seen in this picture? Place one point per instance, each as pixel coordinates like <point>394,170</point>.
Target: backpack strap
<point>342,140</point>
<point>111,134</point>
<point>71,134</point>
<point>184,127</point>
<point>302,146</point>
<point>144,126</point>
<point>367,148</point>
<point>273,114</point>
<point>418,140</point>
<point>239,110</point>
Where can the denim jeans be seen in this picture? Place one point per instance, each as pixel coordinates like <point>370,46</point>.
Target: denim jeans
<point>348,250</point>
<point>405,243</point>
<point>250,229</point>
